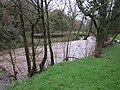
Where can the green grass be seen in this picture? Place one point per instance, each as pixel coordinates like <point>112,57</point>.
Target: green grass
<point>84,74</point>
<point>118,37</point>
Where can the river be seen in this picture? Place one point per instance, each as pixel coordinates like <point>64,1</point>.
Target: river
<point>76,49</point>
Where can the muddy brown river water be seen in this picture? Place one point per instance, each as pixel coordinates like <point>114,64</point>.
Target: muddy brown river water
<point>76,49</point>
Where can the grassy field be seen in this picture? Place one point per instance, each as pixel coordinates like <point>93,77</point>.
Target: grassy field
<point>84,74</point>
<point>118,37</point>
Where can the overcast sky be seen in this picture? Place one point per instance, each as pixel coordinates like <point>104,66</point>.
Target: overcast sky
<point>65,5</point>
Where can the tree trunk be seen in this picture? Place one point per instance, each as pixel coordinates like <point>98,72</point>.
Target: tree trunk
<point>13,65</point>
<point>48,34</point>
<point>68,40</point>
<point>45,38</point>
<point>99,42</point>
<point>98,48</point>
<point>24,39</point>
<point>78,32</point>
<point>33,51</point>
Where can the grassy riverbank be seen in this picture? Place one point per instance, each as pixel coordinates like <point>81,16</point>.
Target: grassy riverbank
<point>83,74</point>
<point>118,37</point>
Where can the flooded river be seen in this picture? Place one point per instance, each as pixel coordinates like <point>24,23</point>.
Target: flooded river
<point>76,49</point>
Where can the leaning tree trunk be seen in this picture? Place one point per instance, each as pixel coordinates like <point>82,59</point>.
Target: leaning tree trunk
<point>34,69</point>
<point>48,34</point>
<point>45,38</point>
<point>24,38</point>
<point>13,65</point>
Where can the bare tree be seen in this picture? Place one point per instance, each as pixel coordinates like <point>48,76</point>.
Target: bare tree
<point>48,33</point>
<point>45,36</point>
<point>100,13</point>
<point>72,14</point>
<point>33,23</point>
<point>24,38</point>
<point>13,64</point>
